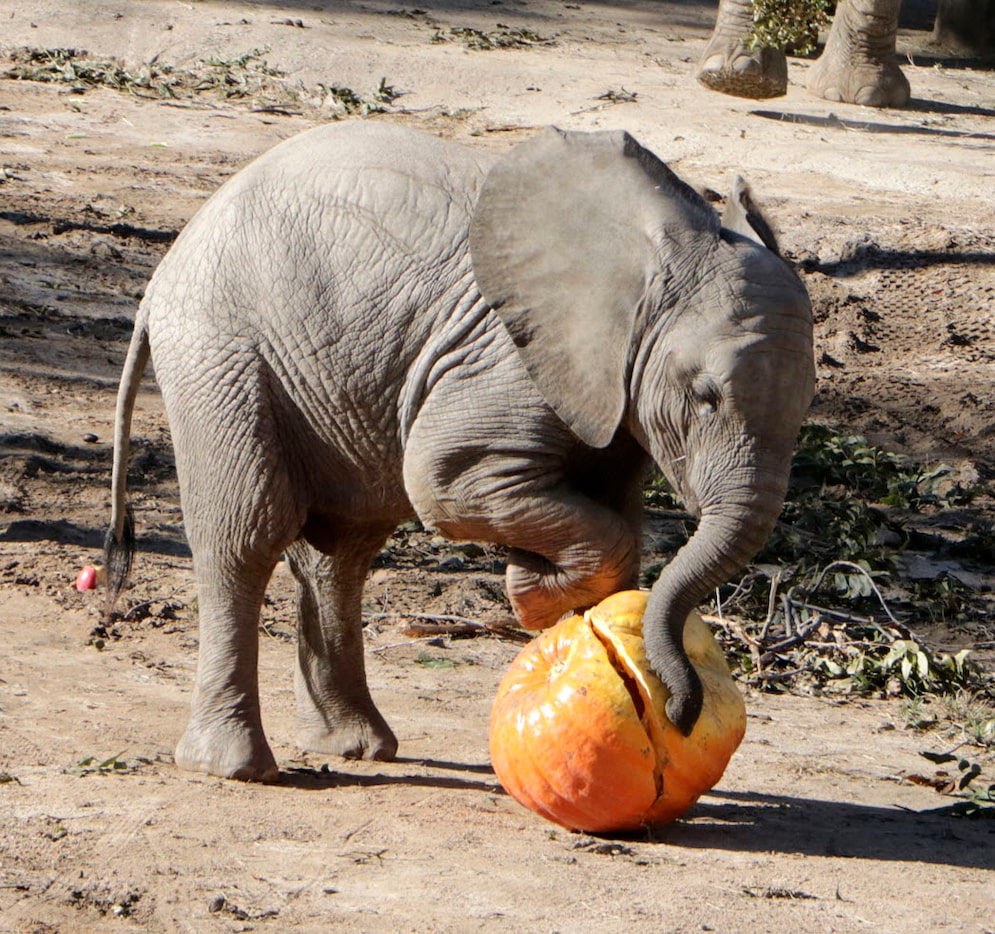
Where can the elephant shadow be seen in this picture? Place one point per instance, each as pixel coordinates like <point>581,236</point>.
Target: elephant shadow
<point>323,778</point>
<point>758,822</point>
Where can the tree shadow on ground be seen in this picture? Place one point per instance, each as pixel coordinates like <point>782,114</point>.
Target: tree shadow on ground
<point>861,257</point>
<point>833,122</point>
<point>65,532</point>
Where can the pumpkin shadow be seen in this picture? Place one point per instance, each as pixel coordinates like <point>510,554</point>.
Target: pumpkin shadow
<point>755,822</point>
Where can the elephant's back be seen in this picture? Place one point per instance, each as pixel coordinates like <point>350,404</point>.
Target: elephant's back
<point>402,182</point>
<point>344,226</point>
<point>372,146</point>
<point>334,260</point>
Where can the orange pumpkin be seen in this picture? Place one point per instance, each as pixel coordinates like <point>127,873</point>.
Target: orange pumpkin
<point>579,732</point>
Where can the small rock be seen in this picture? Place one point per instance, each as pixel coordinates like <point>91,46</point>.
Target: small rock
<point>217,904</point>
<point>103,249</point>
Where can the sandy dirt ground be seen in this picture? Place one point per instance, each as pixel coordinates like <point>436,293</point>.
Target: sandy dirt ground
<point>815,826</point>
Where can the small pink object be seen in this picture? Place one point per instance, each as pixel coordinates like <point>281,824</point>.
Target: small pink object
<point>87,578</point>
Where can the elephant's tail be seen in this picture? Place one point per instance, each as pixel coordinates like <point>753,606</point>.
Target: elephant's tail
<point>119,545</point>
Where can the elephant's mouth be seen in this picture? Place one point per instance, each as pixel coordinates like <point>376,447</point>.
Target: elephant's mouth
<point>680,482</point>
<point>690,501</point>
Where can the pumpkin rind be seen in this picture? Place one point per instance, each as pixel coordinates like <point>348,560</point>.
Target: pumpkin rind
<point>568,741</point>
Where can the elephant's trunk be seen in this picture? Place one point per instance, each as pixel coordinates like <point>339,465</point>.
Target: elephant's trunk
<point>728,537</point>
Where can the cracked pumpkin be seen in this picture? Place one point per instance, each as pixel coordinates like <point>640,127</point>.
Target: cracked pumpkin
<point>579,732</point>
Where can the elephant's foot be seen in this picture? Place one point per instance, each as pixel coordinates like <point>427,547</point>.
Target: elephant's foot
<point>536,599</point>
<point>870,83</point>
<point>228,749</point>
<point>356,731</point>
<point>541,593</point>
<point>732,68</point>
<point>350,741</point>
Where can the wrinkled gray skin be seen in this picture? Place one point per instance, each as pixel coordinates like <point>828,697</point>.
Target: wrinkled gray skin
<point>369,323</point>
<point>857,66</point>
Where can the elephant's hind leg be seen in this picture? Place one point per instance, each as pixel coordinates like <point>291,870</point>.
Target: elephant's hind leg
<point>335,712</point>
<point>240,512</point>
<point>224,735</point>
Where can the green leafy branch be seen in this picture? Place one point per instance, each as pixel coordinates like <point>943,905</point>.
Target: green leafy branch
<point>345,101</point>
<point>789,24</point>
<point>853,501</point>
<point>244,77</point>
<point>425,660</point>
<point>237,77</point>
<point>825,606</point>
<point>841,651</point>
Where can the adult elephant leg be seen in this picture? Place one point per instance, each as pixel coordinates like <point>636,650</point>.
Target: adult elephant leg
<point>858,65</point>
<point>335,713</point>
<point>730,66</point>
<point>967,25</point>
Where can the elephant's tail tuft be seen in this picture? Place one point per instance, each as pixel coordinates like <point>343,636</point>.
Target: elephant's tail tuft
<point>119,552</point>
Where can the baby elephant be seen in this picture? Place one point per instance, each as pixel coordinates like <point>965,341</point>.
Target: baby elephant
<point>368,324</point>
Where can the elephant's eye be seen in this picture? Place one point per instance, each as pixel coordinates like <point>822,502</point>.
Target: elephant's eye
<point>706,395</point>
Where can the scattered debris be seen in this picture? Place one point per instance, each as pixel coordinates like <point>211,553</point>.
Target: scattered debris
<point>115,765</point>
<point>503,37</point>
<point>246,77</point>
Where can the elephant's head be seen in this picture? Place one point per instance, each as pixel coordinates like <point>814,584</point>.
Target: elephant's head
<point>633,308</point>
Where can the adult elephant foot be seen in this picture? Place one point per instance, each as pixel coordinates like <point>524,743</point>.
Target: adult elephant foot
<point>730,67</point>
<point>858,65</point>
<point>872,84</point>
<point>229,749</point>
<point>360,734</point>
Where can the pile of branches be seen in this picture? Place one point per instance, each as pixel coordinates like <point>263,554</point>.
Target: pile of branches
<point>802,645</point>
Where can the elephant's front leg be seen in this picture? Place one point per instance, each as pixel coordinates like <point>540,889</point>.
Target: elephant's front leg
<point>729,65</point>
<point>335,713</point>
<point>568,549</point>
<point>570,555</point>
<point>858,65</point>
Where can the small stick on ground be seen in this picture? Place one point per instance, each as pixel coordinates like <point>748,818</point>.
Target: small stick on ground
<point>428,624</point>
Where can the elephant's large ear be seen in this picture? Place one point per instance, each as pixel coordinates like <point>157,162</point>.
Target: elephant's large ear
<point>568,231</point>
